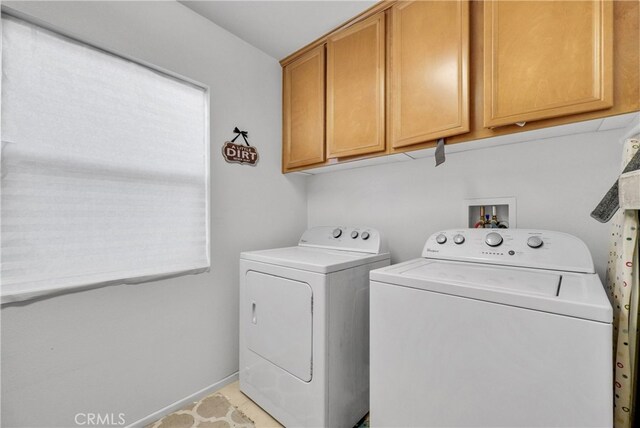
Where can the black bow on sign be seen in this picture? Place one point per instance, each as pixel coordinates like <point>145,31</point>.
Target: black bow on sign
<point>244,134</point>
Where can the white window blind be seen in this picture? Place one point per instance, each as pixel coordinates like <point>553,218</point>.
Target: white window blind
<point>104,167</point>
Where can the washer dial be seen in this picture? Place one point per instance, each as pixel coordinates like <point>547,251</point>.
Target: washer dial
<point>493,239</point>
<point>535,242</point>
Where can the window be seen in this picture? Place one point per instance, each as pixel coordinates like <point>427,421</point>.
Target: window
<point>104,167</point>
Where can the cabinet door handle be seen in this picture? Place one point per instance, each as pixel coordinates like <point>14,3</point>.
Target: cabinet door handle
<point>254,317</point>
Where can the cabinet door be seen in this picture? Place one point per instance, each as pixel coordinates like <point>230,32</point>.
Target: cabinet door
<point>303,110</point>
<point>355,89</point>
<point>546,58</point>
<point>429,68</point>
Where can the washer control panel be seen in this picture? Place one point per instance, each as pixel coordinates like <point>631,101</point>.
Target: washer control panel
<point>541,249</point>
<point>347,238</point>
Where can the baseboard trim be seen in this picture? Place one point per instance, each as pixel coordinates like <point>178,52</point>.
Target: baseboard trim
<point>181,403</point>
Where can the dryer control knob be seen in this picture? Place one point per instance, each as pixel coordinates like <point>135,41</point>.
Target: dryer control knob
<point>354,234</point>
<point>458,239</point>
<point>441,239</point>
<point>337,232</point>
<point>365,235</point>
<point>535,242</point>
<point>493,239</point>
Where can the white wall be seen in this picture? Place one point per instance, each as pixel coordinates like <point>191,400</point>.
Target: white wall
<point>557,182</point>
<point>138,348</point>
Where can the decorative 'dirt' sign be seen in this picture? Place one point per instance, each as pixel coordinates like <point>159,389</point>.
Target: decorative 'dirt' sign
<point>238,153</point>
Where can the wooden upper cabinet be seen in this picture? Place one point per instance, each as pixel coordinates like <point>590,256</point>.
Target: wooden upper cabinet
<point>304,110</point>
<point>355,89</point>
<point>429,71</point>
<point>546,58</point>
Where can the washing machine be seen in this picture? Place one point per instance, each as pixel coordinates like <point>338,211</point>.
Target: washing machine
<point>304,326</point>
<point>492,328</point>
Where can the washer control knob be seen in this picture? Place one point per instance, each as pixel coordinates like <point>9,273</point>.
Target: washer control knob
<point>535,242</point>
<point>458,239</point>
<point>337,232</point>
<point>493,239</point>
<point>365,235</point>
<point>441,239</point>
<point>354,234</point>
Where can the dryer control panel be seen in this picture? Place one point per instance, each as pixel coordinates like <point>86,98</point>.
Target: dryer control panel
<point>542,249</point>
<point>360,239</point>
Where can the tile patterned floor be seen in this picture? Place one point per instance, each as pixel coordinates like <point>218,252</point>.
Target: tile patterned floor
<point>260,418</point>
<point>214,411</point>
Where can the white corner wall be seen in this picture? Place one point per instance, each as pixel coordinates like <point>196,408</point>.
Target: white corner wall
<point>135,349</point>
<point>557,182</point>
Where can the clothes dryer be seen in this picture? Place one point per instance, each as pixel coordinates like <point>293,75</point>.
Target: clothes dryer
<point>304,326</point>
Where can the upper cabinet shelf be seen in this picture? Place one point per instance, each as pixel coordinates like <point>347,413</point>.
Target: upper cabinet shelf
<point>546,59</point>
<point>303,110</point>
<point>355,89</point>
<point>405,73</point>
<point>429,71</point>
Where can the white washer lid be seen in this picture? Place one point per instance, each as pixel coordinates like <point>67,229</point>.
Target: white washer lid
<point>312,259</point>
<point>579,295</point>
<point>482,276</point>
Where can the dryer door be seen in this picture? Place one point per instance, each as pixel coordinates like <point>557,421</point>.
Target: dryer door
<point>280,324</point>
